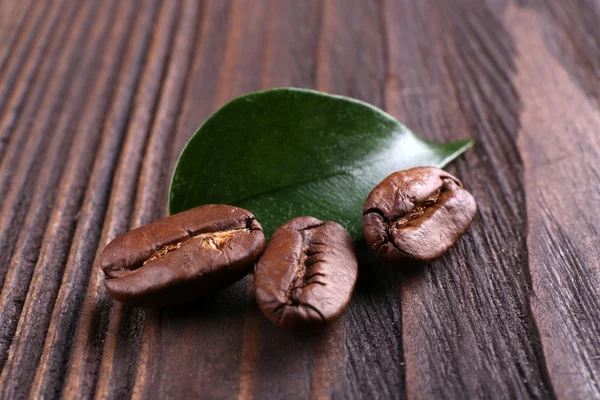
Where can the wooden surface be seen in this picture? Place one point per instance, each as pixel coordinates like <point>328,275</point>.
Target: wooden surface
<point>97,99</point>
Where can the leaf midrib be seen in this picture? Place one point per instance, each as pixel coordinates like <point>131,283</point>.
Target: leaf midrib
<point>464,145</point>
<point>290,185</point>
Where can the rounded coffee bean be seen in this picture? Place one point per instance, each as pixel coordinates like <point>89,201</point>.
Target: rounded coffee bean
<point>307,273</point>
<point>417,214</point>
<point>194,253</point>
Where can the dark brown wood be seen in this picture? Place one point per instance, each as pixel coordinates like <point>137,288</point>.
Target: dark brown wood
<point>561,172</point>
<point>477,296</point>
<point>97,99</point>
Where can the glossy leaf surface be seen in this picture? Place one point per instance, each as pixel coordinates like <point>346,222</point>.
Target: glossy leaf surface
<point>288,152</point>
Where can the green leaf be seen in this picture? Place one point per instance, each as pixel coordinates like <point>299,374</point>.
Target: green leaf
<point>288,152</point>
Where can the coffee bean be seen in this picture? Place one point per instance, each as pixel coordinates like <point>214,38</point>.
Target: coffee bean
<point>194,253</point>
<point>417,214</point>
<point>307,273</point>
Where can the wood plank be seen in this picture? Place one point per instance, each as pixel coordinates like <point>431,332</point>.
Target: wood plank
<point>363,356</point>
<point>209,332</point>
<point>269,357</point>
<point>560,142</point>
<point>28,343</point>
<point>20,170</point>
<point>98,98</point>
<point>38,197</point>
<point>466,316</point>
<point>85,355</point>
<point>32,43</point>
<point>124,328</point>
<point>196,107</point>
<point>16,21</point>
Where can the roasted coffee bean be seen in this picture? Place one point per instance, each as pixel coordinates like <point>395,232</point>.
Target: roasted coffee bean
<point>307,273</point>
<point>194,253</point>
<point>417,214</point>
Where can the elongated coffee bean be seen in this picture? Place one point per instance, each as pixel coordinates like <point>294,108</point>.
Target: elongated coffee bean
<point>194,253</point>
<point>417,214</point>
<point>307,273</point>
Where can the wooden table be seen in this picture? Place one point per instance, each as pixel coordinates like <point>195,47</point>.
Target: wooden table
<point>97,98</point>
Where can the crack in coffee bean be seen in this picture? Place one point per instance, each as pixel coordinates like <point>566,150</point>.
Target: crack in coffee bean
<point>417,214</point>
<point>187,255</point>
<point>214,240</point>
<point>419,209</point>
<point>307,273</point>
<point>305,263</point>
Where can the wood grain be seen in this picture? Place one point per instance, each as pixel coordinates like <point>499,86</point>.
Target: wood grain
<point>563,233</point>
<point>459,68</point>
<point>98,98</point>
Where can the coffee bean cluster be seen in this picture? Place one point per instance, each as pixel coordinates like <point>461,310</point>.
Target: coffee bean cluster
<point>304,277</point>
